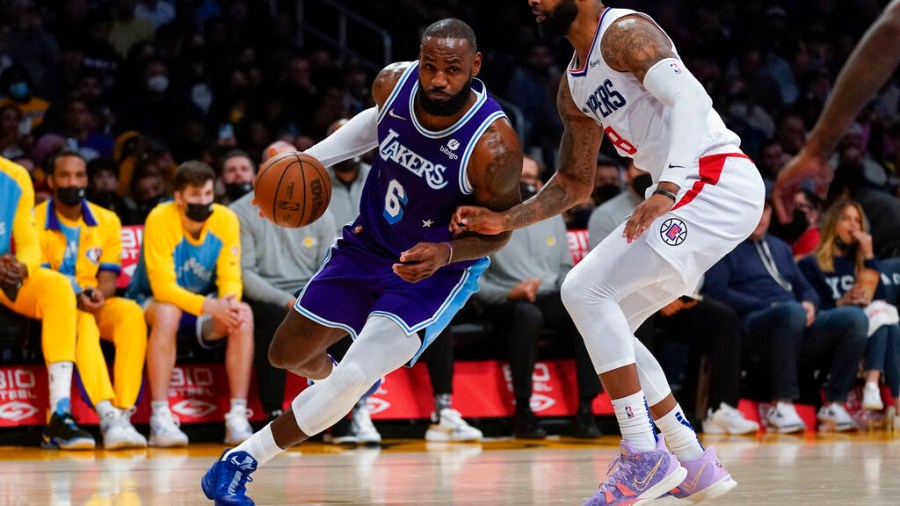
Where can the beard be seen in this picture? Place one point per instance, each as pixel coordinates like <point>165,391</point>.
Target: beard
<point>557,22</point>
<point>448,107</point>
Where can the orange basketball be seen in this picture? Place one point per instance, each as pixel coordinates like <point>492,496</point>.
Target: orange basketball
<point>292,189</point>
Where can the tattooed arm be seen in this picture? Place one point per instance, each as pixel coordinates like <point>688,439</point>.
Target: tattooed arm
<point>572,183</point>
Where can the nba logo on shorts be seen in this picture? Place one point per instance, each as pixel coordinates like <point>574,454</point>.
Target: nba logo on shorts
<point>673,231</point>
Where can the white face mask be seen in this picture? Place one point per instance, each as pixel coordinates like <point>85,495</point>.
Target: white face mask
<point>158,84</point>
<point>202,96</point>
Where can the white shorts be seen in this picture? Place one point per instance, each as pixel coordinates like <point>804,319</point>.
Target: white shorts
<point>714,213</point>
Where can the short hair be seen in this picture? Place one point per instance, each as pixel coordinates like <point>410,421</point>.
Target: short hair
<point>452,28</point>
<point>50,166</point>
<point>234,153</point>
<point>194,173</point>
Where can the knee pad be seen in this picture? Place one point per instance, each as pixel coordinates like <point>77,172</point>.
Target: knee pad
<point>321,405</point>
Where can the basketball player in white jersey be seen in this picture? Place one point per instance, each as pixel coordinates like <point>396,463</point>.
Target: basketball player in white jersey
<point>627,81</point>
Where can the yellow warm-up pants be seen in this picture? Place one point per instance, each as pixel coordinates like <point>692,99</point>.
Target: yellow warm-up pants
<point>47,296</point>
<point>120,321</point>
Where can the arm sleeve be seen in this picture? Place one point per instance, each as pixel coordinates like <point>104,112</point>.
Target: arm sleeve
<point>670,82</point>
<point>111,255</point>
<point>357,136</point>
<point>716,285</point>
<point>25,230</point>
<point>159,244</point>
<point>255,286</point>
<point>228,265</point>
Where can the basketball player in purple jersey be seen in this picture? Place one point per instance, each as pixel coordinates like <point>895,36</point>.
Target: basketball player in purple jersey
<point>627,81</point>
<point>396,277</point>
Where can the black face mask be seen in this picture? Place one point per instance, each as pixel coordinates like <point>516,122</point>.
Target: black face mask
<point>237,190</point>
<point>70,195</point>
<point>605,192</point>
<point>799,223</point>
<point>145,206</point>
<point>640,184</point>
<point>844,246</point>
<point>527,190</point>
<point>198,212</point>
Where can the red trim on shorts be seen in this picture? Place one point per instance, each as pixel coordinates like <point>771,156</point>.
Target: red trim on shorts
<point>710,171</point>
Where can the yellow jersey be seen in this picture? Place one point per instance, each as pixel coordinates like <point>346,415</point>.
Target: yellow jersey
<point>18,228</point>
<point>80,249</point>
<point>177,269</point>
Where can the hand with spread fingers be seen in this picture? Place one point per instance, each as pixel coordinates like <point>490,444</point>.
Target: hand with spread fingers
<point>479,220</point>
<point>422,260</point>
<point>644,215</point>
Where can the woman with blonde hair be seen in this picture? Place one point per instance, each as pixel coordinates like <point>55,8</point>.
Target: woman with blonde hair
<point>844,271</point>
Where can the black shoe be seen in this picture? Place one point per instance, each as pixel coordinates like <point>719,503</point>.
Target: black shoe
<point>526,426</point>
<point>585,426</point>
<point>62,432</point>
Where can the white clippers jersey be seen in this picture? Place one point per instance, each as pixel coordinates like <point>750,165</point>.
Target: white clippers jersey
<point>634,121</point>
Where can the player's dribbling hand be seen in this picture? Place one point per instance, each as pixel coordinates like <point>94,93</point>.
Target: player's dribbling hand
<point>803,166</point>
<point>479,220</point>
<point>644,214</point>
<point>421,261</point>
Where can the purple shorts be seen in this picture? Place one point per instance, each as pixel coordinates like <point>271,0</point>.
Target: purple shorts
<point>354,283</point>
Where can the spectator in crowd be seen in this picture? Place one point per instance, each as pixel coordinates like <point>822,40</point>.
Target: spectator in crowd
<point>128,29</point>
<point>39,293</point>
<point>31,44</point>
<point>84,242</point>
<point>189,281</point>
<point>835,270</point>
<point>79,128</point>
<point>347,180</point>
<point>276,262</point>
<point>781,322</point>
<point>12,142</point>
<point>17,88</point>
<point>881,208</point>
<point>103,180</point>
<point>609,215</point>
<point>447,424</point>
<point>807,211</point>
<point>520,295</point>
<point>157,12</point>
<point>772,161</point>
<point>236,172</point>
<point>148,189</point>
<point>707,326</point>
<point>607,181</point>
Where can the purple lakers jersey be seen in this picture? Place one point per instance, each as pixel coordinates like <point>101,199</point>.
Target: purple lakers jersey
<point>419,176</point>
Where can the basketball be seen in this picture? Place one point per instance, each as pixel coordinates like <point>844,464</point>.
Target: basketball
<point>292,189</point>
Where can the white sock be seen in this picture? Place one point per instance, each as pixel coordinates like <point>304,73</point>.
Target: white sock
<point>261,446</point>
<point>159,407</point>
<point>680,435</point>
<point>634,421</point>
<point>60,379</point>
<point>238,405</point>
<point>103,408</point>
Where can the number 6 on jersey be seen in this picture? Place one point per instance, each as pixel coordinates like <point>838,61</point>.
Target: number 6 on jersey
<point>394,202</point>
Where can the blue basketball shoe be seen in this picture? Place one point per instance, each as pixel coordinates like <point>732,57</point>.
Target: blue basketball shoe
<point>226,481</point>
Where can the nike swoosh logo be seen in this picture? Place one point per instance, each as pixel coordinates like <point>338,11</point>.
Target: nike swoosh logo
<point>676,166</point>
<point>393,115</point>
<point>690,486</point>
<point>642,484</point>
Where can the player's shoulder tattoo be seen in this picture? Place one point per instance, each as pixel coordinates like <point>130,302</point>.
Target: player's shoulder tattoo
<point>387,78</point>
<point>634,44</point>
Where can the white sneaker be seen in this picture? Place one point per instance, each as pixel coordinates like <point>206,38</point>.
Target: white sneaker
<point>237,426</point>
<point>727,420</point>
<point>118,432</point>
<point>784,419</point>
<point>362,426</point>
<point>872,397</point>
<point>451,427</point>
<point>164,431</point>
<point>835,418</point>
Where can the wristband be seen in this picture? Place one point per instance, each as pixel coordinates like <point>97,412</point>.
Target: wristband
<point>450,258</point>
<point>665,193</point>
